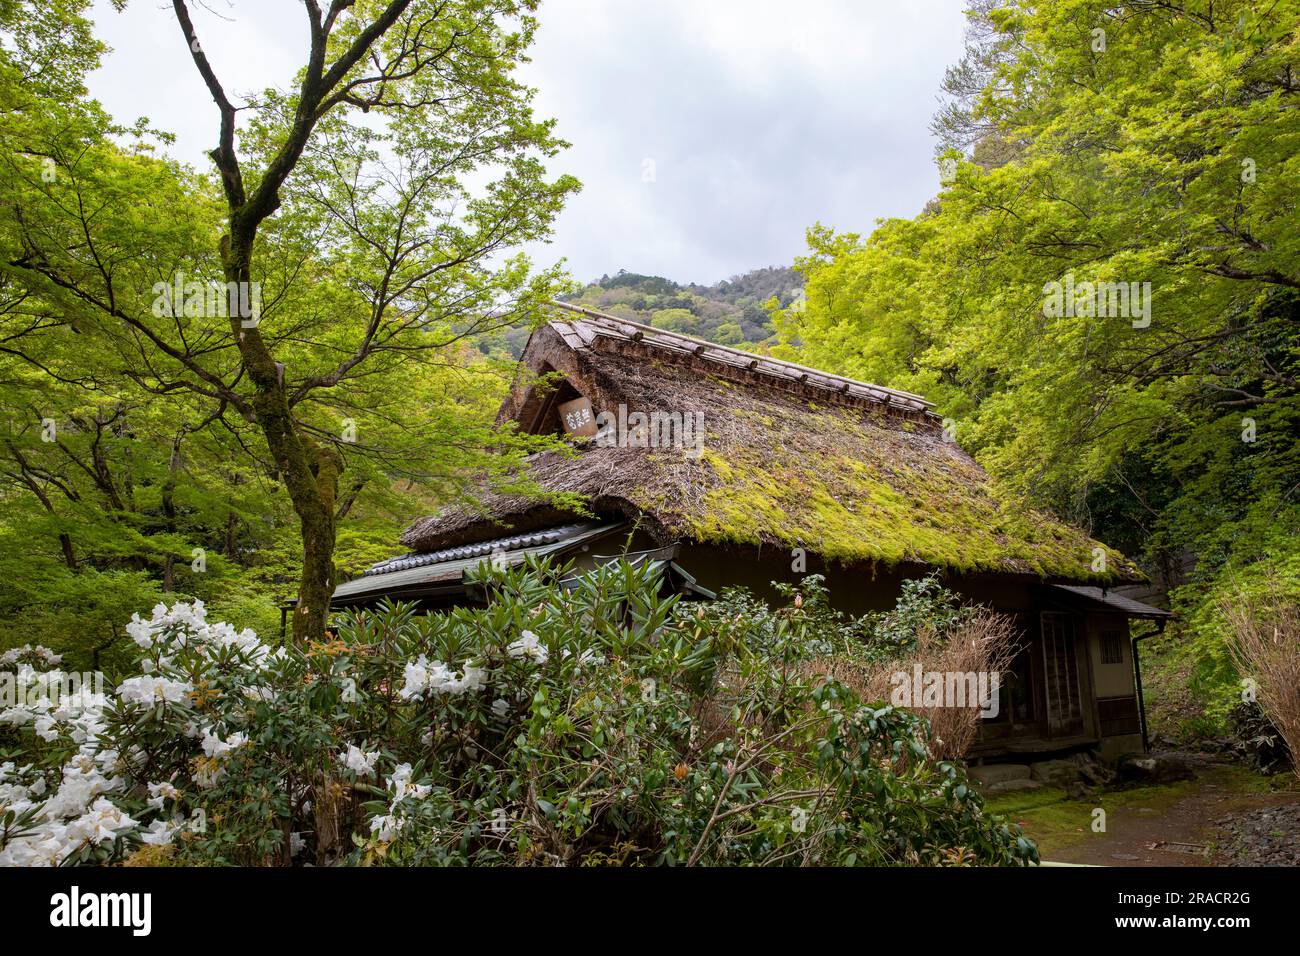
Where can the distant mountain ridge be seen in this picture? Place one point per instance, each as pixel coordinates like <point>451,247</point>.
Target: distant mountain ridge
<point>730,312</point>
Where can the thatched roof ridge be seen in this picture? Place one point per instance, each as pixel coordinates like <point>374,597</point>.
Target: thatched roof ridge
<point>856,475</point>
<point>582,328</point>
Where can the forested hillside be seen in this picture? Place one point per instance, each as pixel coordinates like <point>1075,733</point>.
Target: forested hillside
<point>730,312</point>
<point>734,311</point>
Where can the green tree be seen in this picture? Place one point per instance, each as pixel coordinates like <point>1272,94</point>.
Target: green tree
<point>322,287</point>
<point>675,320</point>
<point>1153,145</point>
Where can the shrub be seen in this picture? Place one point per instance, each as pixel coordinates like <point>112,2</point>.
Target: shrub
<point>1256,738</point>
<point>928,628</point>
<point>1265,644</point>
<point>578,720</point>
<point>983,642</point>
<point>925,609</point>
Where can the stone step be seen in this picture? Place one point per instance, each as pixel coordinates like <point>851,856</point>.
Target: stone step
<point>991,773</point>
<point>1010,786</point>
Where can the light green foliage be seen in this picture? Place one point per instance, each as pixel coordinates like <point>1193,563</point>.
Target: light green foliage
<point>1164,150</point>
<point>293,449</point>
<point>675,320</point>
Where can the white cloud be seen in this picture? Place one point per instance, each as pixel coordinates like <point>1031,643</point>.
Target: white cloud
<point>761,117</point>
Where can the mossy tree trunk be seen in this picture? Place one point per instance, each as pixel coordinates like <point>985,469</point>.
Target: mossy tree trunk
<point>310,471</point>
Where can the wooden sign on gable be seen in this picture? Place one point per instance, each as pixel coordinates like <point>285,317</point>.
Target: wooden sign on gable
<point>577,418</point>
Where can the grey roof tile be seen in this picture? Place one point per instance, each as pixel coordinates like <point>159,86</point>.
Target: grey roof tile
<point>1111,599</point>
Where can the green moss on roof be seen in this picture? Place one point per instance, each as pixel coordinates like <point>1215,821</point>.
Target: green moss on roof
<point>844,510</point>
<point>889,502</point>
<point>847,483</point>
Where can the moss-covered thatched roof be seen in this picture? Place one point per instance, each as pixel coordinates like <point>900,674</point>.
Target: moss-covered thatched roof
<point>791,458</point>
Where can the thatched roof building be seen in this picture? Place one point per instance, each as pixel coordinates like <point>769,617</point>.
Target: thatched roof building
<point>735,468</point>
<point>787,457</point>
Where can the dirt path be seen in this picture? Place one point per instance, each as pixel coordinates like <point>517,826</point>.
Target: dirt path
<point>1137,827</point>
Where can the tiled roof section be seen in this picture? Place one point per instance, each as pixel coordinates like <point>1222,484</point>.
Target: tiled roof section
<point>413,575</point>
<point>1114,601</point>
<point>582,328</point>
<point>481,549</point>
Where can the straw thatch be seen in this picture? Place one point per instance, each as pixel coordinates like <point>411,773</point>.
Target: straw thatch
<point>791,458</point>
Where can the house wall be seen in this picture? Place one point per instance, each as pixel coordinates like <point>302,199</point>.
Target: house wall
<point>1118,716</point>
<point>853,589</point>
<point>1110,679</point>
<point>1108,717</point>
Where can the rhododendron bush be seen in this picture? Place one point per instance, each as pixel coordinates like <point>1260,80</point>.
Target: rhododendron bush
<point>570,720</point>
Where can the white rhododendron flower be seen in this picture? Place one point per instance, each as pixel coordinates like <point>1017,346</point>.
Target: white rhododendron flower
<point>161,832</point>
<point>46,727</point>
<point>208,773</point>
<point>37,651</point>
<point>359,761</point>
<point>528,646</point>
<point>160,793</point>
<point>424,676</point>
<point>588,656</point>
<point>82,784</point>
<point>46,848</point>
<point>474,679</point>
<point>151,690</point>
<point>186,625</point>
<point>417,678</point>
<point>385,827</point>
<point>214,746</point>
<point>16,716</point>
<point>141,632</point>
<point>400,784</point>
<point>103,821</point>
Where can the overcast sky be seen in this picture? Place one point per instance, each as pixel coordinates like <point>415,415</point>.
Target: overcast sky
<point>708,134</point>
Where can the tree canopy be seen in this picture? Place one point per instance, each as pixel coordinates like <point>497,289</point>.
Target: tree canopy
<point>192,356</point>
<point>1143,158</point>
